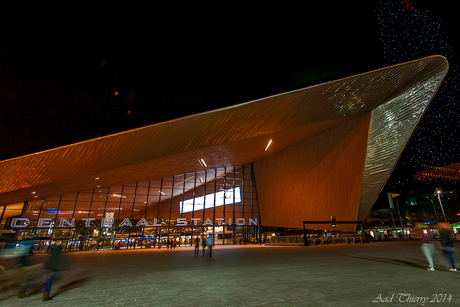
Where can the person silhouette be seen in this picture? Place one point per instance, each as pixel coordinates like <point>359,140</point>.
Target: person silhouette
<point>210,244</point>
<point>427,247</point>
<point>56,263</point>
<point>445,231</point>
<point>203,244</point>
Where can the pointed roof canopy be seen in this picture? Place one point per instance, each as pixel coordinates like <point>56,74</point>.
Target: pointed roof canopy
<point>397,97</point>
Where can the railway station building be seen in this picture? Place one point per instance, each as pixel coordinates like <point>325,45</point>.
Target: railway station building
<point>298,156</point>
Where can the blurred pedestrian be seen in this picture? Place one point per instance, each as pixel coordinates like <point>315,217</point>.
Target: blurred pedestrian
<point>22,270</point>
<point>446,233</point>
<point>203,244</point>
<point>210,244</point>
<point>197,246</point>
<point>56,262</point>
<point>25,263</point>
<point>428,247</point>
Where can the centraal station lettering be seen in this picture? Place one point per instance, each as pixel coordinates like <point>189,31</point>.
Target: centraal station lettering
<point>23,222</point>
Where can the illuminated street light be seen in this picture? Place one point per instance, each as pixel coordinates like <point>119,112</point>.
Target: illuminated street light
<point>439,197</point>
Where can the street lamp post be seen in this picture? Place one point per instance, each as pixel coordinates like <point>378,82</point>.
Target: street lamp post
<point>435,211</point>
<point>440,202</point>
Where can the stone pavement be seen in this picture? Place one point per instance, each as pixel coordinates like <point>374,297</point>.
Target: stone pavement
<point>375,274</point>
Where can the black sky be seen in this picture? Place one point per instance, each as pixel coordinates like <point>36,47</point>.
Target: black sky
<point>60,67</point>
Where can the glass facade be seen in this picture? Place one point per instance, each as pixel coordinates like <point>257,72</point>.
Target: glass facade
<point>220,202</point>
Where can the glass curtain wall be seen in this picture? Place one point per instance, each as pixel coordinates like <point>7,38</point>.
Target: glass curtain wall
<point>216,202</point>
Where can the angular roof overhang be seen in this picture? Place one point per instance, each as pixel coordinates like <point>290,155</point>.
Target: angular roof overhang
<point>397,97</point>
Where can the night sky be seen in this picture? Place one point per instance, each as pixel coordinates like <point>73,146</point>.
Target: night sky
<point>60,71</point>
<point>414,33</point>
<point>72,75</point>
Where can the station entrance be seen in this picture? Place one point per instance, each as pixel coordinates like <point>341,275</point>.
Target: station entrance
<point>218,202</point>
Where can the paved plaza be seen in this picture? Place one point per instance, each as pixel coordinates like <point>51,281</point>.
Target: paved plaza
<point>375,274</point>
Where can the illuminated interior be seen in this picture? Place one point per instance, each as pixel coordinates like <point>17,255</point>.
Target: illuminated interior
<point>222,201</point>
<point>222,198</point>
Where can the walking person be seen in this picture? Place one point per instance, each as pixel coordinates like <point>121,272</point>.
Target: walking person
<point>203,244</point>
<point>428,248</point>
<point>197,246</point>
<point>210,244</point>
<point>26,267</point>
<point>55,264</point>
<point>445,231</point>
